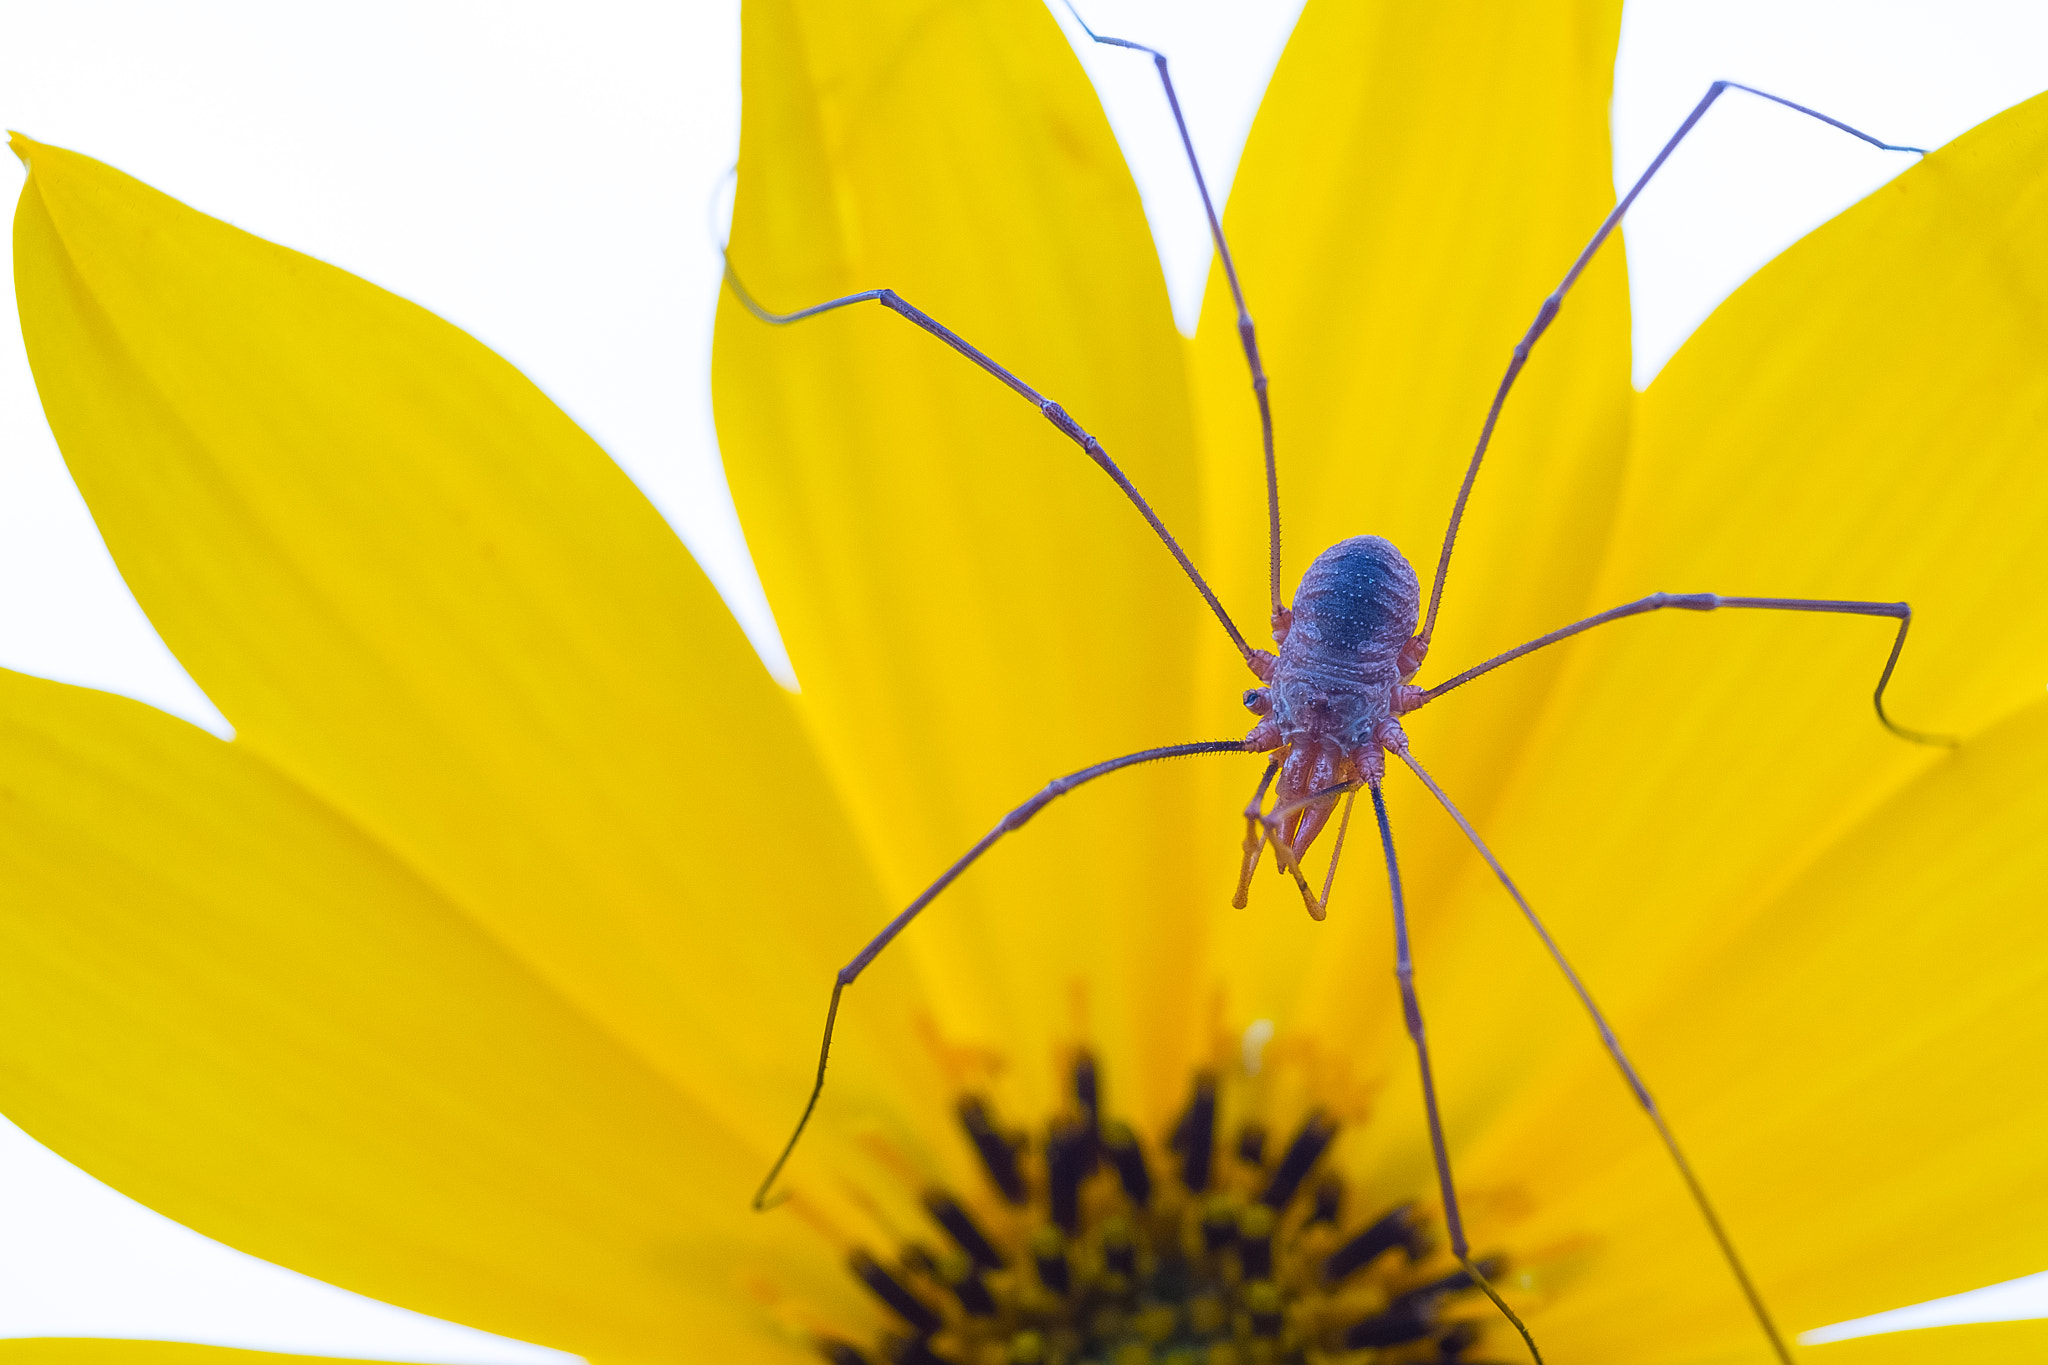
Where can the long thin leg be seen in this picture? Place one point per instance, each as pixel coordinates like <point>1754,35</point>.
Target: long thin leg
<point>1015,820</point>
<point>1628,1071</point>
<point>1247,335</point>
<point>1546,314</point>
<point>1707,601</point>
<point>1052,411</point>
<point>1411,1011</point>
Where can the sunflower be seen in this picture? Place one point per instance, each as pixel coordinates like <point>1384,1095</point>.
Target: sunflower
<point>481,971</point>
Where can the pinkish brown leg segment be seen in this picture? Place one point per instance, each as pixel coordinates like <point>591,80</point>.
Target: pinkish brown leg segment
<point>1273,825</point>
<point>1546,313</point>
<point>1247,333</point>
<point>1254,838</point>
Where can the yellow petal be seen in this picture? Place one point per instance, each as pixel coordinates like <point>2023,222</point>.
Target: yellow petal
<point>1419,179</point>
<point>1847,1073</point>
<point>424,597</point>
<point>970,605</point>
<point>420,592</point>
<point>217,995</point>
<point>1865,419</point>
<point>114,1351</point>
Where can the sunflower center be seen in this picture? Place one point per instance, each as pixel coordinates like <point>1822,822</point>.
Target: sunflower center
<point>1097,1246</point>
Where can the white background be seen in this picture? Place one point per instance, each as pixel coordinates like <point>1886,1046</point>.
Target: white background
<point>548,177</point>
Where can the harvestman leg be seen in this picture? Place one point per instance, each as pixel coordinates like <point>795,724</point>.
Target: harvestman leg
<point>1015,820</point>
<point>1411,1013</point>
<point>1247,334</point>
<point>1052,412</point>
<point>1261,830</point>
<point>1547,313</point>
<point>1254,837</point>
<point>1613,1046</point>
<point>1707,601</point>
<point>1258,660</point>
<point>1898,611</point>
<point>1057,415</point>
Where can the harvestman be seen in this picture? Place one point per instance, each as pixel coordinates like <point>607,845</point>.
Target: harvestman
<point>1329,701</point>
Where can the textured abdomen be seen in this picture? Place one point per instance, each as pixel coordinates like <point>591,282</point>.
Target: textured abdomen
<point>1337,670</point>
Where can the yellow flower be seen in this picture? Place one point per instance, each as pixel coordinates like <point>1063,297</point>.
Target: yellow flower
<point>481,973</point>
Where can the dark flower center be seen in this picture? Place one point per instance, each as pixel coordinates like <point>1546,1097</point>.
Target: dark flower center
<point>1099,1248</point>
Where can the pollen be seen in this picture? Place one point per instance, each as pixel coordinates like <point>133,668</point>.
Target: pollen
<point>1094,1244</point>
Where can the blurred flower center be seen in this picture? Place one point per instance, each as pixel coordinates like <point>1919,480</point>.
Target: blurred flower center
<point>1100,1245</point>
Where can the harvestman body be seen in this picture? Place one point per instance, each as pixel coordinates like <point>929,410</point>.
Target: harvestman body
<point>1330,700</point>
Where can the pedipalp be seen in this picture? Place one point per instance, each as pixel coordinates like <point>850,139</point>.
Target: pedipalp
<point>1404,698</point>
<point>1273,830</point>
<point>1254,837</point>
<point>1411,1014</point>
<point>1247,334</point>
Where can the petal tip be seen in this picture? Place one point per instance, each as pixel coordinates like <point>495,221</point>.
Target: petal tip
<point>21,144</point>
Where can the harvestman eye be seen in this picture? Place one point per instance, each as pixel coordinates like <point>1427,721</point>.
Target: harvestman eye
<point>1330,699</point>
